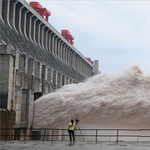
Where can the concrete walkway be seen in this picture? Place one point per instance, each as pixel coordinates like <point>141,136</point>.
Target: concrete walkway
<point>38,145</point>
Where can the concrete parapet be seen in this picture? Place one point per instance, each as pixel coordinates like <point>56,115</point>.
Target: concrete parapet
<point>17,103</point>
<point>23,62</point>
<point>50,75</point>
<point>23,78</point>
<point>96,67</point>
<point>37,79</point>
<point>7,50</point>
<point>74,82</point>
<point>55,78</point>
<point>71,81</point>
<point>44,79</point>
<point>67,80</point>
<point>23,105</point>
<point>38,70</point>
<point>37,84</point>
<point>63,80</point>
<point>44,72</point>
<point>31,68</point>
<point>59,81</point>
<point>6,79</point>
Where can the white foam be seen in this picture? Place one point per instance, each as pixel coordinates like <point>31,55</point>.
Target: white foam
<point>106,100</point>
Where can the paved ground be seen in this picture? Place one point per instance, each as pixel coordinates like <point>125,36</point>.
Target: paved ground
<point>36,145</point>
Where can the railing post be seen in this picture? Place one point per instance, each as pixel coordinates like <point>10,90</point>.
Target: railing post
<point>52,137</point>
<point>44,134</point>
<point>117,135</point>
<point>30,136</point>
<point>24,135</point>
<point>96,136</point>
<point>52,134</point>
<point>63,134</point>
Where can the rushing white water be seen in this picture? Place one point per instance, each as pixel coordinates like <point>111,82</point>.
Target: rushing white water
<point>105,101</point>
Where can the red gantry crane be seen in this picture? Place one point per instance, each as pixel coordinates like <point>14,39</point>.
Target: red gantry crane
<point>67,35</point>
<point>42,11</point>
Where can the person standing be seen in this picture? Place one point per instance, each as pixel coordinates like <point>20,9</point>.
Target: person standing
<point>71,128</point>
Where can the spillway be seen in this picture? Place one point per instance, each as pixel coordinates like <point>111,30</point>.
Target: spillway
<point>118,100</point>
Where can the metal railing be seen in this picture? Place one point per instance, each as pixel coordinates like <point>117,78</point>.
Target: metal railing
<point>86,135</point>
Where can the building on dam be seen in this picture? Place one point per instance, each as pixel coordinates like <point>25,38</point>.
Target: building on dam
<point>35,59</point>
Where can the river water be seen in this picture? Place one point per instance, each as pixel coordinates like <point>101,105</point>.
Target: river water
<point>115,100</point>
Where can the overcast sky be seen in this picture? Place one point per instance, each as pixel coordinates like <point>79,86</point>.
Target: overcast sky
<point>117,33</point>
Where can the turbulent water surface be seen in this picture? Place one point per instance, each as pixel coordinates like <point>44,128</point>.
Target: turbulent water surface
<point>104,101</point>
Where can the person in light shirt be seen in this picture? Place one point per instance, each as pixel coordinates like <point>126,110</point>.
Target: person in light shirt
<point>71,128</point>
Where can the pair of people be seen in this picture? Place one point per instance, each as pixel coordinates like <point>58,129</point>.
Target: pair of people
<point>71,128</point>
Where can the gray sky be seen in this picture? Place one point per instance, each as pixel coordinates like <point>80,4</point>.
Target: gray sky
<point>117,33</point>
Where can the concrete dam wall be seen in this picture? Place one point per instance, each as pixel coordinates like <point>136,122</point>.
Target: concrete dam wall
<point>35,59</point>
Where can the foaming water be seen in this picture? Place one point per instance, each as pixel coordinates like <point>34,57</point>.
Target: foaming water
<point>104,101</point>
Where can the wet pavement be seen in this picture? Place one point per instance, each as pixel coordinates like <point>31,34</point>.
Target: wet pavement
<point>55,145</point>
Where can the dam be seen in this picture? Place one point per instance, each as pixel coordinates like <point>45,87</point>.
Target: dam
<point>35,59</point>
<point>46,81</point>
